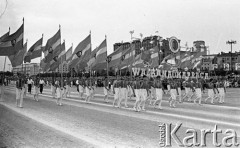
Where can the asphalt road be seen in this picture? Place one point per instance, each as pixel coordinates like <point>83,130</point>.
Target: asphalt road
<point>77,124</point>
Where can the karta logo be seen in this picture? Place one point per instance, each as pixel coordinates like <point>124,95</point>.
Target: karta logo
<point>167,134</point>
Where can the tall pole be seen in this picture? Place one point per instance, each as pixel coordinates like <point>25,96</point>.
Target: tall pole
<point>107,62</point>
<point>131,32</point>
<point>231,42</point>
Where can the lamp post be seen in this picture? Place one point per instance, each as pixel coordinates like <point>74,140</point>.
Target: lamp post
<point>231,42</point>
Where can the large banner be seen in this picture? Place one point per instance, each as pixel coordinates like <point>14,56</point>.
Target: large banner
<point>167,73</point>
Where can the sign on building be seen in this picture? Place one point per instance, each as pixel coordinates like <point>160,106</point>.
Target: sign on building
<point>237,66</point>
<point>226,66</point>
<point>214,66</point>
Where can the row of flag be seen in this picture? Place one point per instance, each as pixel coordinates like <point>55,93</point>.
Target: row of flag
<point>82,58</point>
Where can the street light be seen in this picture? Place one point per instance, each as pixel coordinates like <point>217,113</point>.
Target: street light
<point>231,42</point>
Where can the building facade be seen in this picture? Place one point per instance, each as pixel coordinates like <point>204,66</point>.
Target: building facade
<point>228,60</point>
<point>27,68</point>
<point>148,43</point>
<point>208,61</point>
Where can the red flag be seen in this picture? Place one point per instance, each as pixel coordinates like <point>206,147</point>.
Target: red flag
<point>11,44</point>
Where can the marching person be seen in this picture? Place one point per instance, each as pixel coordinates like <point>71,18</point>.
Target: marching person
<point>59,92</point>
<point>123,92</point>
<point>179,87</point>
<point>222,91</point>
<point>64,88</point>
<point>130,89</point>
<point>30,82</point>
<point>105,89</point>
<point>116,91</point>
<point>152,92</point>
<point>36,89</point>
<point>136,90</point>
<point>159,92</point>
<point>92,88</point>
<point>144,92</point>
<point>69,86</point>
<point>53,88</point>
<point>87,87</point>
<point>198,92</point>
<point>41,83</point>
<point>81,88</point>
<point>174,93</point>
<point>210,91</point>
<point>19,91</point>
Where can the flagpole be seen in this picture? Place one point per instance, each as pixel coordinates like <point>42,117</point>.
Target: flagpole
<point>71,68</point>
<point>40,60</point>
<point>107,62</point>
<point>61,57</point>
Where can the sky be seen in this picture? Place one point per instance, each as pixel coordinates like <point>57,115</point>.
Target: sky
<point>213,21</point>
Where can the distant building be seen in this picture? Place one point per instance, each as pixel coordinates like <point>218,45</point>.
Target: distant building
<point>207,61</point>
<point>63,69</point>
<point>147,43</point>
<point>228,58</point>
<point>28,68</point>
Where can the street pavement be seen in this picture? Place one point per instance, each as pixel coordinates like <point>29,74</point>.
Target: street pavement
<point>98,124</point>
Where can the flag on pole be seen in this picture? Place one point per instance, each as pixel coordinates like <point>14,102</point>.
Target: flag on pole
<point>81,53</point>
<point>4,36</point>
<point>11,44</point>
<point>17,59</point>
<point>58,57</point>
<point>115,57</point>
<point>101,56</point>
<point>69,55</point>
<point>127,57</point>
<point>147,58</point>
<point>52,44</point>
<point>91,59</point>
<point>35,51</point>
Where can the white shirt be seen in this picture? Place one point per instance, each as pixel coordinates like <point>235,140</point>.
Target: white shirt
<point>41,82</point>
<point>30,81</point>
